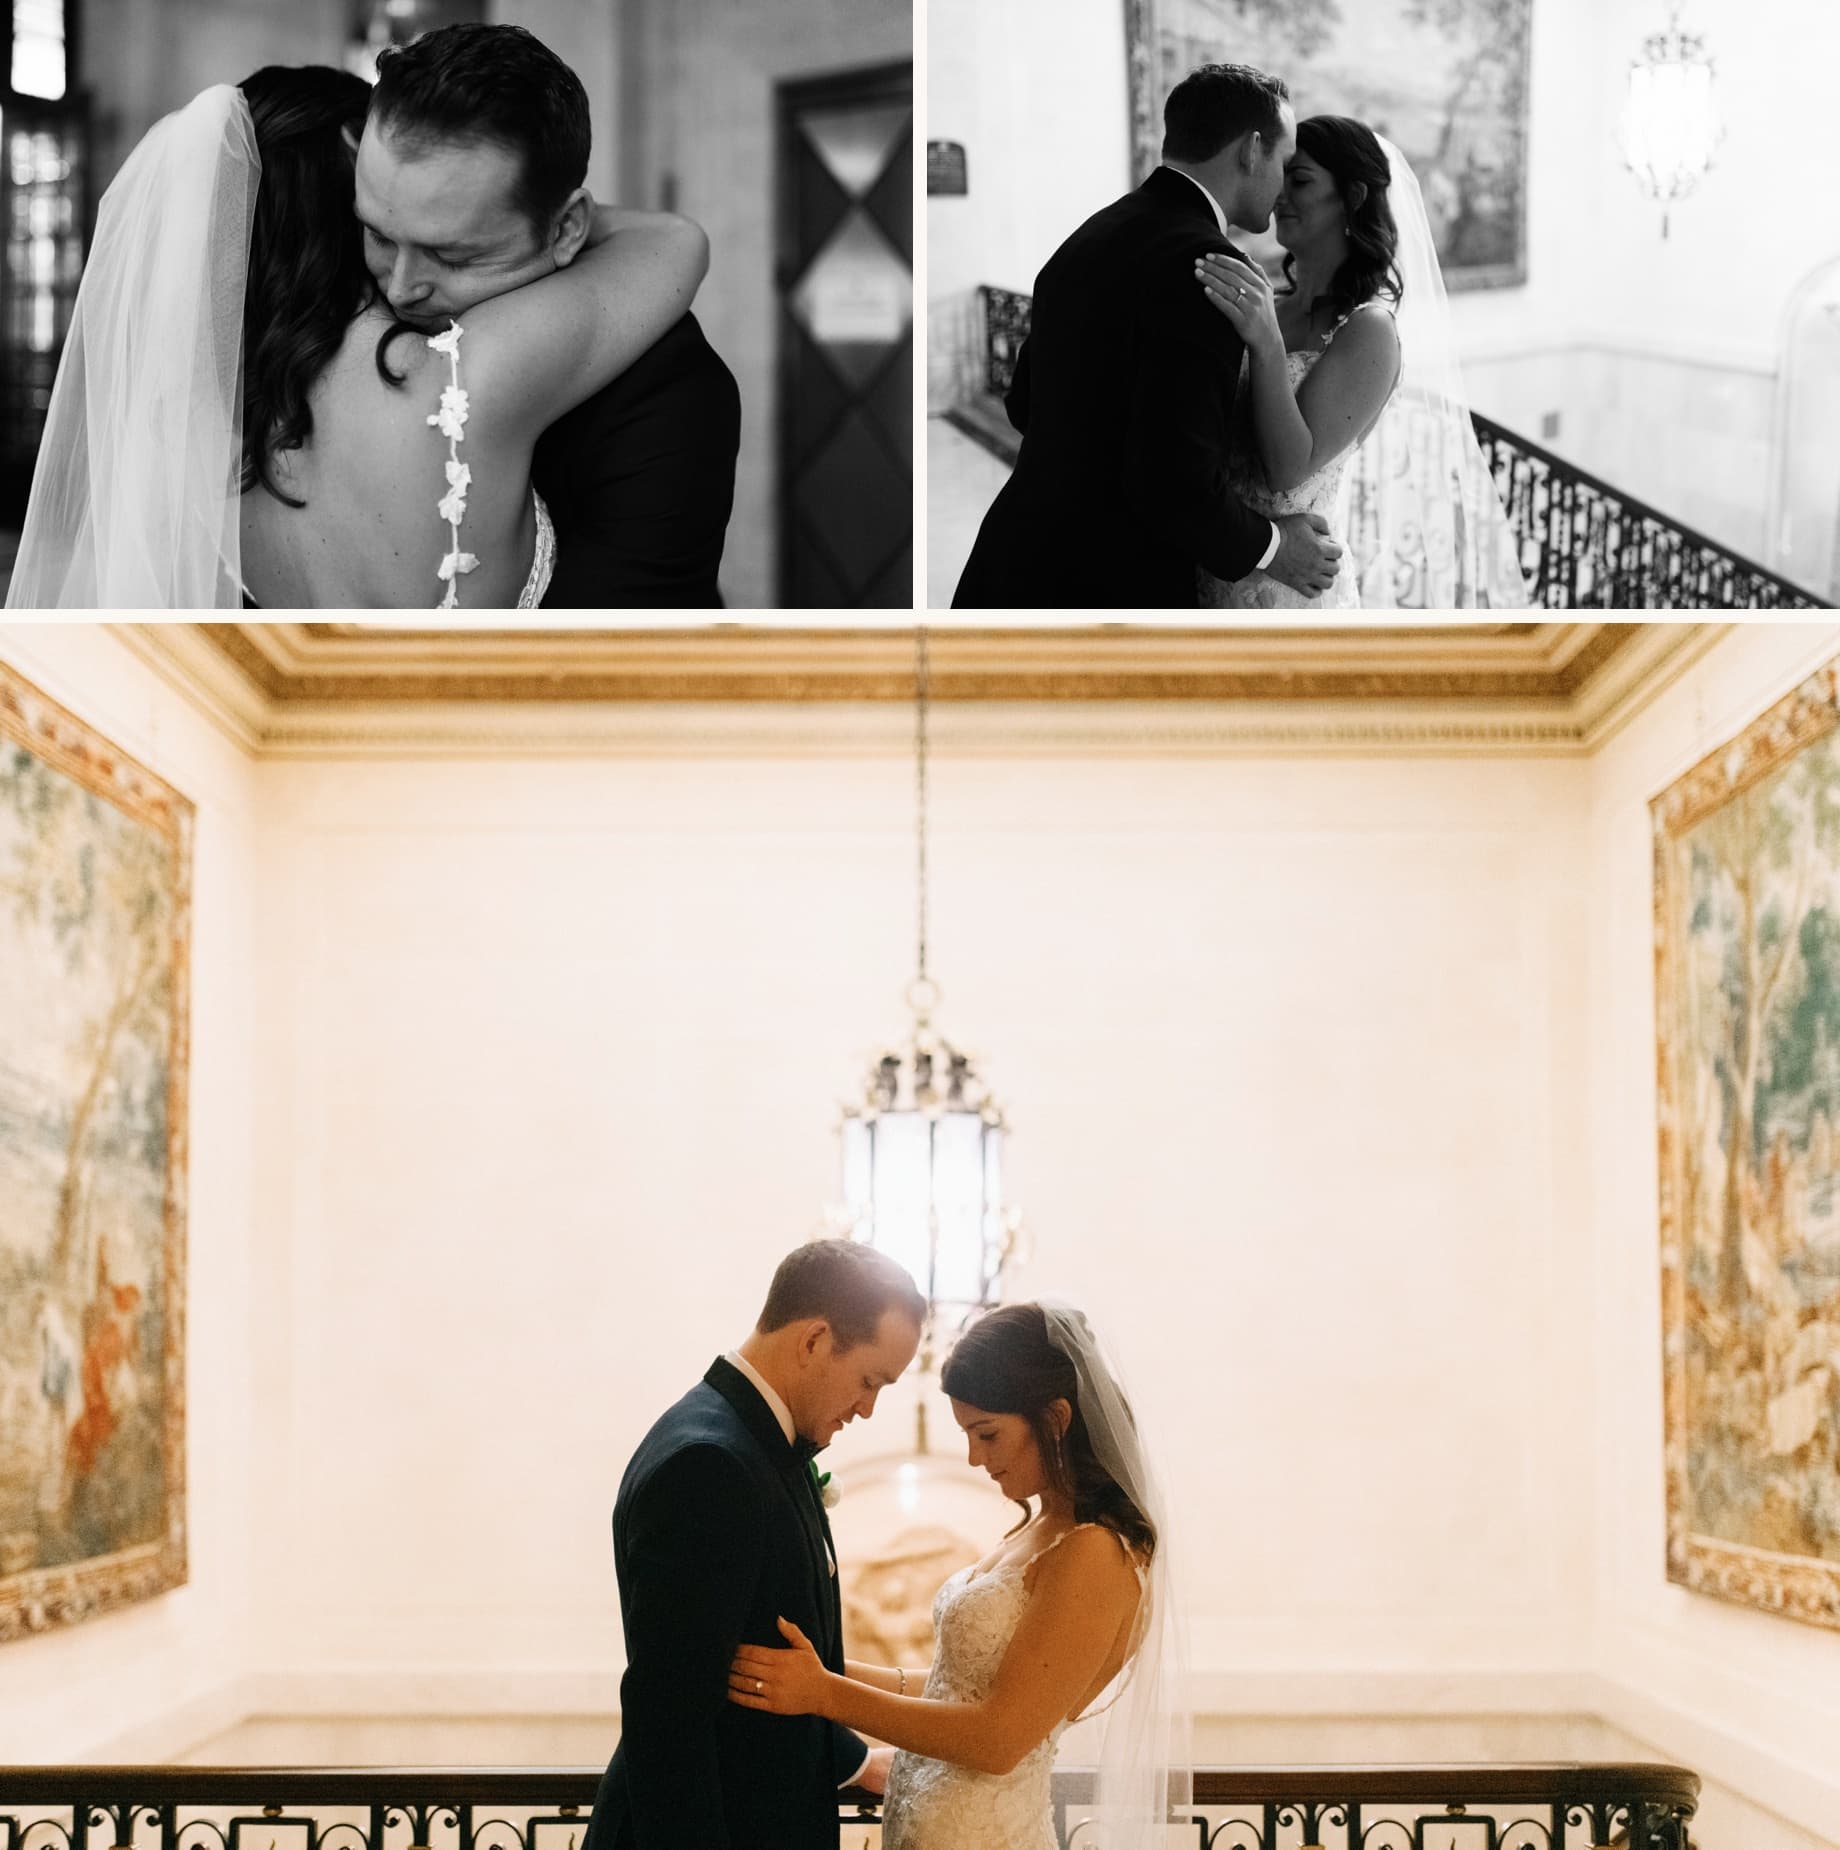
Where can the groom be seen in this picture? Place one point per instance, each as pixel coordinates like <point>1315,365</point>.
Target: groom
<point>719,1532</point>
<point>478,142</point>
<point>1124,390</point>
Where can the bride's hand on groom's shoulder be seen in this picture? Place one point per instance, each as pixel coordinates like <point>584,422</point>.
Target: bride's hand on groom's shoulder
<point>779,1682</point>
<point>1242,292</point>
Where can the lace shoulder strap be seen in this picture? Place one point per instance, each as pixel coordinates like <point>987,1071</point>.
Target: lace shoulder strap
<point>450,420</point>
<point>1386,308</point>
<point>1130,1554</point>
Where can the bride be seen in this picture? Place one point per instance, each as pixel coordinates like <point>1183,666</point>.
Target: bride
<point>240,417</point>
<point>1350,399</point>
<point>1068,1617</point>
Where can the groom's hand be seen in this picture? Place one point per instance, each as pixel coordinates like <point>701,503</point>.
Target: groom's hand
<point>873,1778</point>
<point>1308,557</point>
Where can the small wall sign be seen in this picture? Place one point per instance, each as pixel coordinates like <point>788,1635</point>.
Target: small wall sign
<point>945,168</point>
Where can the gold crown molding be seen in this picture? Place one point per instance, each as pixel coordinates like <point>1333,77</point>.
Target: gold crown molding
<point>1658,654</point>
<point>841,729</point>
<point>347,663</point>
<point>320,690</point>
<point>183,655</point>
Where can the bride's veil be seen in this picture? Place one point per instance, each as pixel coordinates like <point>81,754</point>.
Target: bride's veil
<point>1140,1731</point>
<point>135,500</point>
<point>1420,510</point>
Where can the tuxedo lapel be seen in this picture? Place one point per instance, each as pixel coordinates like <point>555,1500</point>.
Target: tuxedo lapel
<point>791,1463</point>
<point>756,1415</point>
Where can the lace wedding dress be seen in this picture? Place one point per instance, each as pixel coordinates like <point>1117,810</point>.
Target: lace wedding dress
<point>1320,493</point>
<point>933,1805</point>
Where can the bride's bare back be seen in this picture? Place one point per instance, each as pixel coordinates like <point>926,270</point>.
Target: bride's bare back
<point>373,474</point>
<point>371,478</point>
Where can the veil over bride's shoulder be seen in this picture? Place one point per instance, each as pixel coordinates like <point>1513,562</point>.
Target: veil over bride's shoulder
<point>135,498</point>
<point>1424,520</point>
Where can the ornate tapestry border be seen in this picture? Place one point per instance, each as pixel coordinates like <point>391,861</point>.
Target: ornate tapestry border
<point>1785,1584</point>
<point>42,1598</point>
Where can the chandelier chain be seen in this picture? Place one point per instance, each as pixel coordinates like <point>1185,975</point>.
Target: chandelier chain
<point>920,703</point>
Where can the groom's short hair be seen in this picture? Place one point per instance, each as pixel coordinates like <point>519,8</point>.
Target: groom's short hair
<point>1217,104</point>
<point>501,84</point>
<point>850,1285</point>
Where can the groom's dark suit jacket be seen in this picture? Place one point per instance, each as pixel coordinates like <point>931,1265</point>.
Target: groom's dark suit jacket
<point>1123,394</point>
<point>717,1532</point>
<point>640,479</point>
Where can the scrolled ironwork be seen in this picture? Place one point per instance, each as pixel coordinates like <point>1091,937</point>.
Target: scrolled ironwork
<point>516,1836</point>
<point>1218,1838</point>
<point>1654,1803</point>
<point>1530,1826</point>
<point>1385,1824</point>
<point>1584,544</point>
<point>1006,327</point>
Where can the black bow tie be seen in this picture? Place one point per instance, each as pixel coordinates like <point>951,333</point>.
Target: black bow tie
<point>804,1450</point>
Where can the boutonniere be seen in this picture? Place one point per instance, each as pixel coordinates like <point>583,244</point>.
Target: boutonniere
<point>828,1493</point>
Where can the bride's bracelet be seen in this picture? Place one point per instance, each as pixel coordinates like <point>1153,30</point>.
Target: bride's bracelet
<point>900,1670</point>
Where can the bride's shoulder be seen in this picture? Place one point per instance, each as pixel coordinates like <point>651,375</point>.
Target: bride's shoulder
<point>1089,1557</point>
<point>1378,320</point>
<point>1369,333</point>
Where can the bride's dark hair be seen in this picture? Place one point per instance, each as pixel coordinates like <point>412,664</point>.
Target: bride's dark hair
<point>1351,154</point>
<point>1004,1363</point>
<point>307,277</point>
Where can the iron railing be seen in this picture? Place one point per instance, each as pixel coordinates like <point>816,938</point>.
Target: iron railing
<point>1570,1806</point>
<point>1583,544</point>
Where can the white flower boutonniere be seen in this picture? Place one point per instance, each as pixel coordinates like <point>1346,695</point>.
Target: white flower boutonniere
<point>828,1492</point>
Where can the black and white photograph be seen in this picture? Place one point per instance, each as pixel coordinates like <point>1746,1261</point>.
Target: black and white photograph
<point>451,304</point>
<point>1428,305</point>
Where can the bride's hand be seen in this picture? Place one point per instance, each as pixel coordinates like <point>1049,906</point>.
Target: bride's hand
<point>1242,292</point>
<point>789,1682</point>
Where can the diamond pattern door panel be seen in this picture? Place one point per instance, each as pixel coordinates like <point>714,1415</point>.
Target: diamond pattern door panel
<point>846,340</point>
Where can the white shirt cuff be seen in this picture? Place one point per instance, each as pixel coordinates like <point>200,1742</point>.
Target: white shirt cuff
<point>855,1778</point>
<point>1271,551</point>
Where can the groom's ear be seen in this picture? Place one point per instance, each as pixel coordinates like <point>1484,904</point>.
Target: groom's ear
<point>569,232</point>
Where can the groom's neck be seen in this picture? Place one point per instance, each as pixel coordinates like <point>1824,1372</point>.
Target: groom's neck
<point>1216,176</point>
<point>768,1359</point>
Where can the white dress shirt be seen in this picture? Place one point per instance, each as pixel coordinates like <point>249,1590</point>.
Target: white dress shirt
<point>1220,219</point>
<point>764,1388</point>
<point>781,1412</point>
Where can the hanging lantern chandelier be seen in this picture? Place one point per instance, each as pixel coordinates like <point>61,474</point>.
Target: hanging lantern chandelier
<point>923,1147</point>
<point>1671,125</point>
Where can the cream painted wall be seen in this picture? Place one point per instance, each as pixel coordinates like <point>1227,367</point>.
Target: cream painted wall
<point>146,1681</point>
<point>1753,1700</point>
<point>1035,91</point>
<point>553,1060</point>
<point>699,114</point>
